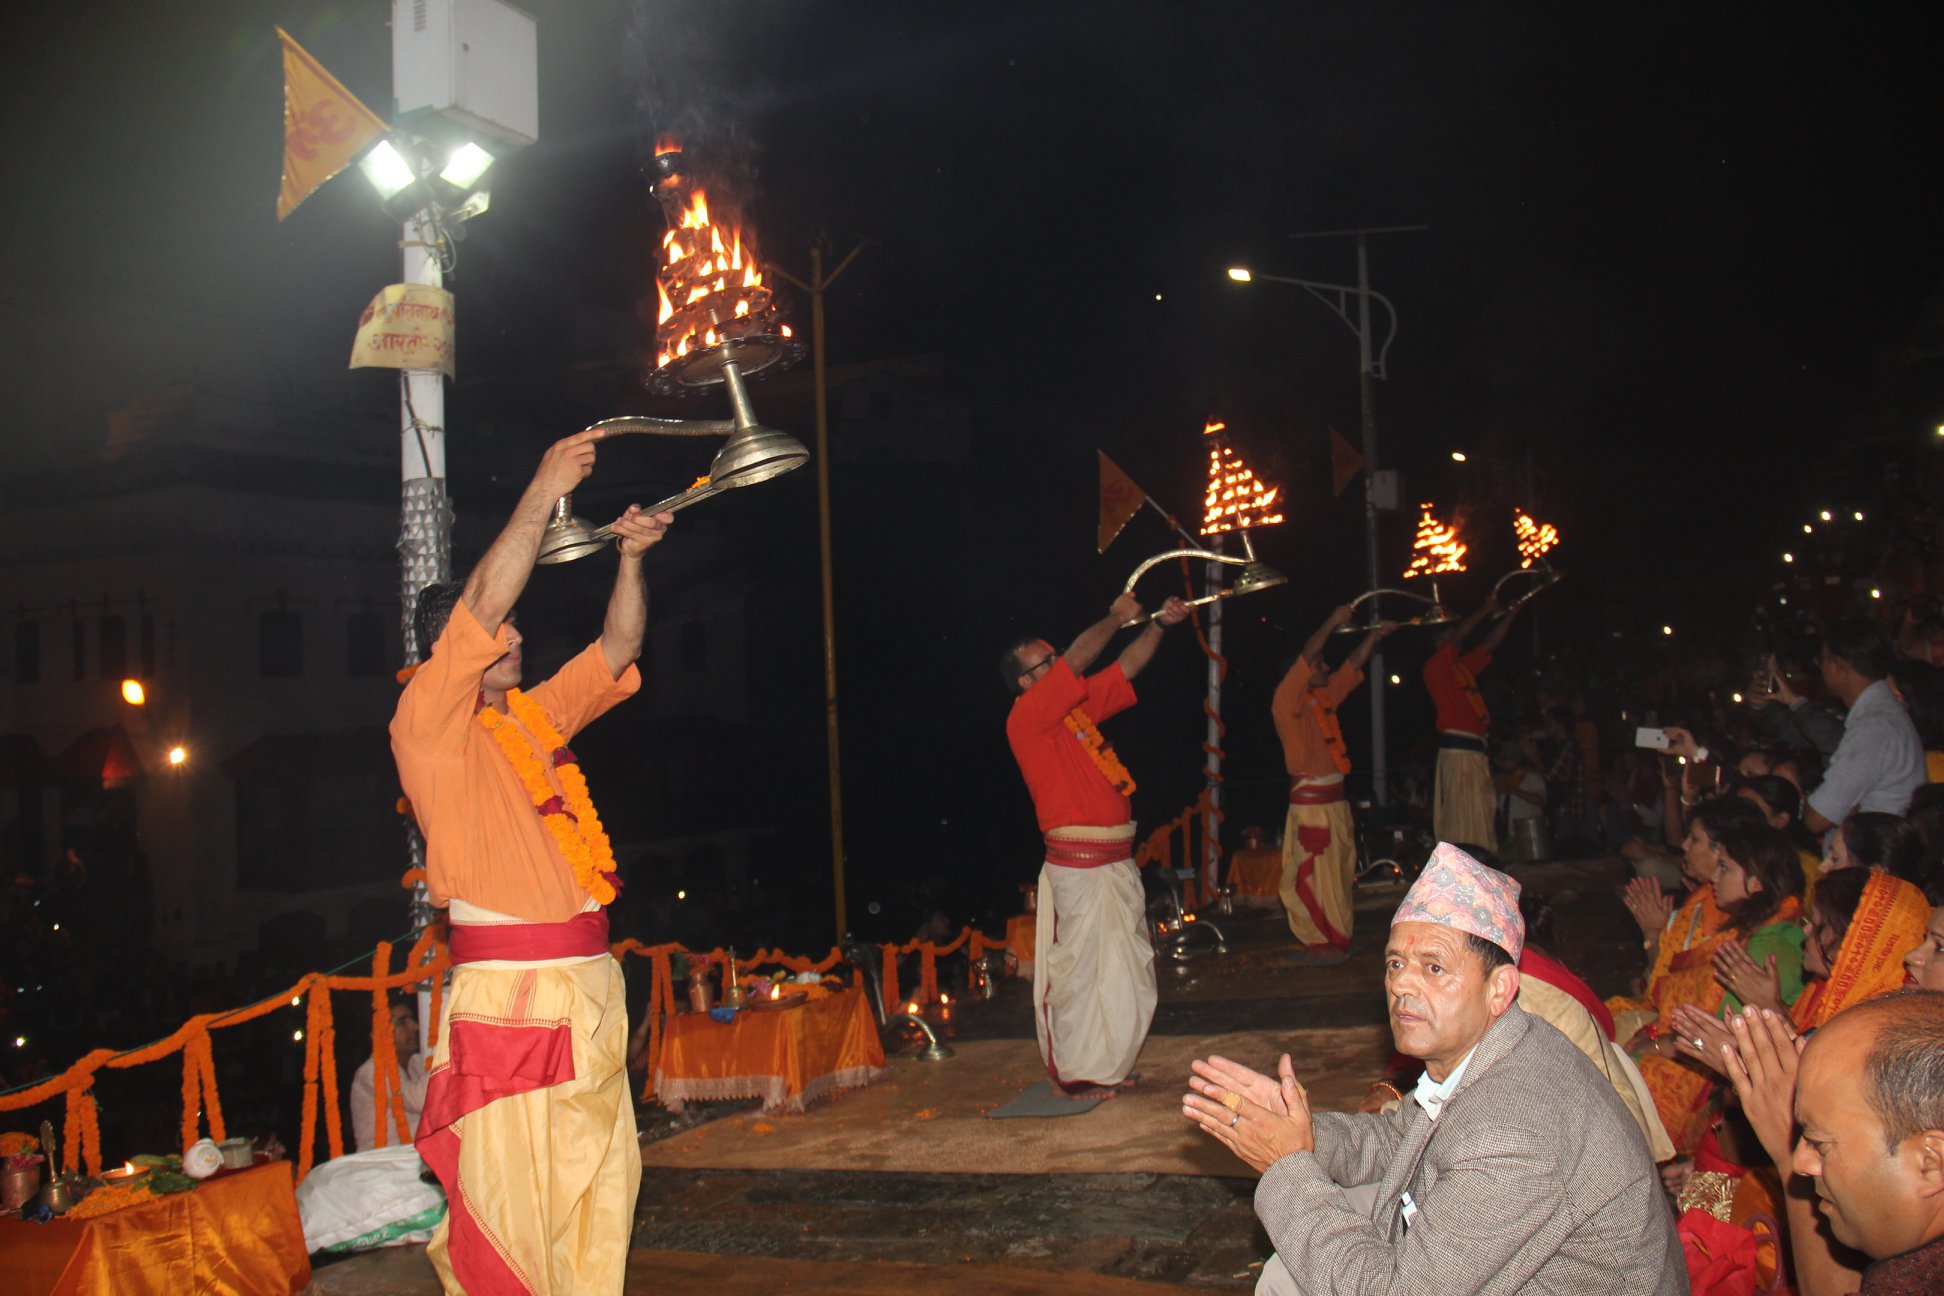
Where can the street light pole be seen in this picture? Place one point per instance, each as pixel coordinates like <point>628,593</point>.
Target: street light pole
<point>819,283</point>
<point>1367,402</point>
<point>1369,368</point>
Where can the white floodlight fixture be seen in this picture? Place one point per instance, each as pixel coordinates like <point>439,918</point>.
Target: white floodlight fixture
<point>388,170</point>
<point>465,166</point>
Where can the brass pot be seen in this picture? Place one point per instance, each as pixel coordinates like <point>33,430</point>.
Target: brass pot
<point>17,1187</point>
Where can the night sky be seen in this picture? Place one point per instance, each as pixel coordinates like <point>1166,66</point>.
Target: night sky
<point>1682,259</point>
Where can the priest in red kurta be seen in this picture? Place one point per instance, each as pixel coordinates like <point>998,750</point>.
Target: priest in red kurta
<point>1093,974</point>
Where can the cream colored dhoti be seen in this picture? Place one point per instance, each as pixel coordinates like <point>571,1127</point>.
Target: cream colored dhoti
<point>1093,974</point>
<point>527,1101</point>
<point>1462,808</point>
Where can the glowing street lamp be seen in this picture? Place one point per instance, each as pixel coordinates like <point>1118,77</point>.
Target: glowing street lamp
<point>133,693</point>
<point>1241,274</point>
<point>178,755</point>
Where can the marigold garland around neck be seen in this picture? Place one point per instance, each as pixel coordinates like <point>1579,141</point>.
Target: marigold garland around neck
<point>1099,750</point>
<point>569,814</point>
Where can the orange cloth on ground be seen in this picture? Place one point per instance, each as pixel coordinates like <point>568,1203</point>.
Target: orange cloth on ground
<point>235,1233</point>
<point>1306,720</point>
<point>788,1057</point>
<point>1453,684</point>
<point>1891,918</point>
<point>1068,788</point>
<point>484,842</point>
<point>1256,872</point>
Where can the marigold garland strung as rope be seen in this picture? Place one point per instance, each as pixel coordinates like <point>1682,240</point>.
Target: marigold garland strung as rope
<point>1099,750</point>
<point>569,814</point>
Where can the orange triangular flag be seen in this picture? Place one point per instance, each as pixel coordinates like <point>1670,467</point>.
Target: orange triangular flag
<point>324,126</point>
<point>1346,461</point>
<point>1120,499</point>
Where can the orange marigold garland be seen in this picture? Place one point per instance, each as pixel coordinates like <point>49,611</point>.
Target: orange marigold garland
<point>568,814</point>
<point>1099,750</point>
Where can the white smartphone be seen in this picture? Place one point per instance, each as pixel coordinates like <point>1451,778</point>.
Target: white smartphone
<point>1656,739</point>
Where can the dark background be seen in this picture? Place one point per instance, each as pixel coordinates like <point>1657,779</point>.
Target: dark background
<point>1685,261</point>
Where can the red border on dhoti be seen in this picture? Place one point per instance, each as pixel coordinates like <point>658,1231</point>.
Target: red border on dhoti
<point>486,1061</point>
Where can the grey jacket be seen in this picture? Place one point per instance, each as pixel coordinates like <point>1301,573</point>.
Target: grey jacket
<point>1534,1179</point>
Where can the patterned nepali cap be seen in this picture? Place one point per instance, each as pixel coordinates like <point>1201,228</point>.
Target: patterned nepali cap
<point>1455,890</point>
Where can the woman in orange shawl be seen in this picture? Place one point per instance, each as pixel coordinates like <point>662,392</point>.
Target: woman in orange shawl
<point>1673,933</point>
<point>1758,889</point>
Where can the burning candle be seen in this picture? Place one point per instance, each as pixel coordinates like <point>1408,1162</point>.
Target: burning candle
<point>1236,496</point>
<point>1437,549</point>
<point>1534,538</point>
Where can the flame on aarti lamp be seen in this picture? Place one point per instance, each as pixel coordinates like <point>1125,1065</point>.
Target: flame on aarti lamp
<point>709,288</point>
<point>1437,549</point>
<point>1236,496</point>
<point>1535,538</point>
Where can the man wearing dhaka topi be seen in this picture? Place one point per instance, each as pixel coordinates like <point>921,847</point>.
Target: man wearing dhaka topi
<point>1093,971</point>
<point>528,1121</point>
<point>1319,863</point>
<point>1513,1167</point>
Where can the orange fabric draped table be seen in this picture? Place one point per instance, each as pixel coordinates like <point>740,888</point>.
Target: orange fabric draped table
<point>238,1232</point>
<point>1022,935</point>
<point>788,1057</point>
<point>1256,874</point>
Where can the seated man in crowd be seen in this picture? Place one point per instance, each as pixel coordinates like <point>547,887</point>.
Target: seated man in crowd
<point>411,1079</point>
<point>1869,1097</point>
<point>1515,1167</point>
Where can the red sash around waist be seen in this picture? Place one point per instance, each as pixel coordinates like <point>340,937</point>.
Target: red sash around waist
<point>1069,852</point>
<point>582,936</point>
<point>1315,793</point>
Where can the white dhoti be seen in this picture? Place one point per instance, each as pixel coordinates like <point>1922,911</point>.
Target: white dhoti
<point>1463,807</point>
<point>1093,975</point>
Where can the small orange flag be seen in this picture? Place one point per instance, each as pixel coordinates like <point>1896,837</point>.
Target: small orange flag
<point>1120,499</point>
<point>324,126</point>
<point>1346,461</point>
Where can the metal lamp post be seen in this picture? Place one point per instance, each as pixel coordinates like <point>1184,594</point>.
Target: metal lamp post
<point>1351,304</point>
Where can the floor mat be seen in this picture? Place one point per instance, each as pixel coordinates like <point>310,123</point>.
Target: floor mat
<point>931,1116</point>
<point>1040,1101</point>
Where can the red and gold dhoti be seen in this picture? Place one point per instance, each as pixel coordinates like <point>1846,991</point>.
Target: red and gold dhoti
<point>1319,869</point>
<point>528,1121</point>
